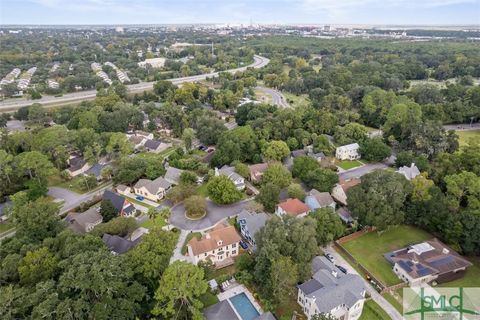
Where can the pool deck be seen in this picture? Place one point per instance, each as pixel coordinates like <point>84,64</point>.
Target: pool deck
<point>237,289</point>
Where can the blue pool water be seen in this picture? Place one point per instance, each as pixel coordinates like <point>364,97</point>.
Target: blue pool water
<point>244,307</point>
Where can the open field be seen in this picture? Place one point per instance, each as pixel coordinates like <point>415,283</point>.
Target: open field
<point>464,136</point>
<point>294,100</point>
<point>369,249</point>
<point>347,164</point>
<point>372,311</point>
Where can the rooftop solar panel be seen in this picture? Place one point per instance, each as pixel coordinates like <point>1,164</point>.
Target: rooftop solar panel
<point>404,266</point>
<point>442,261</point>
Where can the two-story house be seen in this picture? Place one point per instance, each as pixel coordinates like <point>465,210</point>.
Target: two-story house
<point>331,292</point>
<point>339,191</point>
<point>217,245</point>
<point>250,223</point>
<point>316,200</point>
<point>123,206</point>
<point>152,190</point>
<point>348,152</point>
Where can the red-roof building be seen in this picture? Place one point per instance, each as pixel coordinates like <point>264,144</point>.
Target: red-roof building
<point>293,207</point>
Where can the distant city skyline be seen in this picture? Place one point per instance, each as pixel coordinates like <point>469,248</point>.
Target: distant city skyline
<point>385,12</point>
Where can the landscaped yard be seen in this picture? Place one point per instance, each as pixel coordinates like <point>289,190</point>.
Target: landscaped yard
<point>464,136</point>
<point>75,185</point>
<point>394,302</point>
<point>157,222</point>
<point>208,299</point>
<point>372,311</point>
<point>369,249</point>
<point>202,190</point>
<point>347,164</point>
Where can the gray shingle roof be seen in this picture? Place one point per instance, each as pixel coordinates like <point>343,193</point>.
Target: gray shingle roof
<point>220,311</point>
<point>153,186</point>
<point>118,244</point>
<point>331,291</point>
<point>323,198</point>
<point>173,174</point>
<point>253,221</point>
<point>78,221</point>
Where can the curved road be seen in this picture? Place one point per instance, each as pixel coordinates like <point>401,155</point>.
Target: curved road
<point>278,98</point>
<point>10,105</point>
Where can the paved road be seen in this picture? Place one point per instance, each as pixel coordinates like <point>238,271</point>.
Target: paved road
<point>278,98</point>
<point>11,104</point>
<point>462,126</point>
<point>215,214</point>
<point>358,172</point>
<point>384,304</point>
<point>73,199</point>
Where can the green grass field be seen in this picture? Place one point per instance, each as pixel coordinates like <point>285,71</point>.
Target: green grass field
<point>157,222</point>
<point>464,136</point>
<point>208,299</point>
<point>369,249</point>
<point>347,164</point>
<point>372,311</point>
<point>394,302</point>
<point>5,227</point>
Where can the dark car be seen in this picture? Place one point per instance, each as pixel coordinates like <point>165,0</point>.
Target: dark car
<point>243,245</point>
<point>202,148</point>
<point>341,269</point>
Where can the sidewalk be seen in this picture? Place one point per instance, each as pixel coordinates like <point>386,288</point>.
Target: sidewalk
<point>384,304</point>
<point>177,252</point>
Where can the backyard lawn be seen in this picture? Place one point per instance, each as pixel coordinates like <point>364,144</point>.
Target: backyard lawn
<point>208,299</point>
<point>464,136</point>
<point>156,222</point>
<point>372,311</point>
<point>347,164</point>
<point>369,249</point>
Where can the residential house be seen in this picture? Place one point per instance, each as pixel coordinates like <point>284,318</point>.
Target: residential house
<point>426,262</point>
<point>345,215</point>
<point>237,179</point>
<point>298,153</point>
<point>172,175</point>
<point>217,245</point>
<point>96,170</point>
<point>77,166</point>
<point>250,223</point>
<point>152,190</point>
<point>225,310</point>
<point>339,192</point>
<point>331,292</point>
<point>123,189</point>
<point>409,172</point>
<point>145,135</point>
<point>256,171</point>
<point>138,233</point>
<point>316,200</point>
<point>123,206</point>
<point>137,141</point>
<point>348,152</point>
<point>84,222</point>
<point>118,245</point>
<point>293,207</point>
<point>156,146</point>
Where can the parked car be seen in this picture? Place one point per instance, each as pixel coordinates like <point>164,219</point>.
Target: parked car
<point>243,245</point>
<point>341,269</point>
<point>330,258</point>
<point>140,198</point>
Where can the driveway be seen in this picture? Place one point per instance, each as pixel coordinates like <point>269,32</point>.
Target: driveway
<point>384,304</point>
<point>177,252</point>
<point>358,172</point>
<point>72,199</point>
<point>215,214</point>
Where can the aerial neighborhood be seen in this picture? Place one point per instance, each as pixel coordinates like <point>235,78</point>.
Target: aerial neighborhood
<point>235,173</point>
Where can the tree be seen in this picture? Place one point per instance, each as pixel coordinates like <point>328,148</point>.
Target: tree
<point>98,285</point>
<point>188,177</point>
<point>268,196</point>
<point>150,258</point>
<point>187,137</point>
<point>37,220</point>
<point>118,144</point>
<point>374,149</point>
<point>241,169</point>
<point>222,190</point>
<point>164,88</point>
<point>379,199</point>
<point>35,164</point>
<point>119,226</point>
<point>209,129</point>
<point>178,293</point>
<point>321,179</point>
<point>329,225</point>
<point>195,206</point>
<point>406,158</point>
<point>276,150</point>
<point>277,174</point>
<point>240,144</point>
<point>37,266</point>
<point>463,190</point>
<point>421,186</point>
<point>350,133</point>
<point>283,278</point>
<point>296,191</point>
<point>302,166</point>
<point>107,210</point>
<point>180,193</point>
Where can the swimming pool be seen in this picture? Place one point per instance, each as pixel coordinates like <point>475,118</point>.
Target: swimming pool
<point>244,307</point>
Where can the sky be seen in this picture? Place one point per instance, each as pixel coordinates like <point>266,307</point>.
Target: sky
<point>380,12</point>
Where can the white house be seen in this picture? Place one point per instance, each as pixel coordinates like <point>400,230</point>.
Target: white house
<point>237,179</point>
<point>331,292</point>
<point>348,152</point>
<point>152,190</point>
<point>217,245</point>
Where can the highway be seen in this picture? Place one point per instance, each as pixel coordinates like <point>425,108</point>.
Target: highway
<point>12,104</point>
